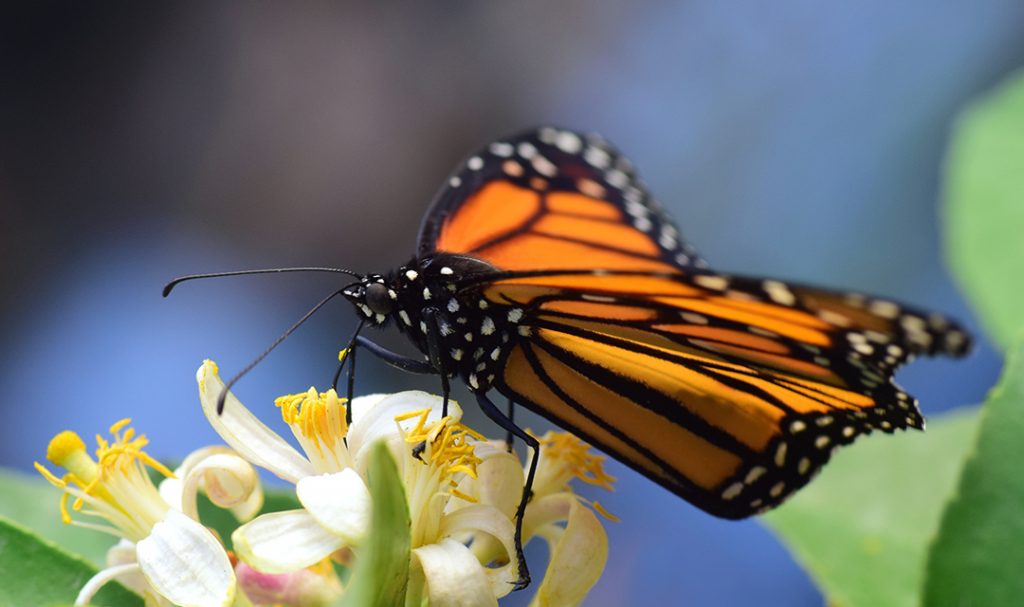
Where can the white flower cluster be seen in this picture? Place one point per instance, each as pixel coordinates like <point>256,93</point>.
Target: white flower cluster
<point>461,491</point>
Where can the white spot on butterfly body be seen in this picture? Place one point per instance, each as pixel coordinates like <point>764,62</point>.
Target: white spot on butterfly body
<point>453,306</point>
<point>495,353</point>
<point>405,317</point>
<point>777,489</point>
<point>426,293</point>
<point>693,319</point>
<point>455,181</point>
<point>643,224</point>
<point>487,326</point>
<point>515,314</point>
<point>597,298</point>
<point>468,336</point>
<point>447,271</point>
<point>755,473</point>
<point>473,381</point>
<point>457,354</point>
<point>380,318</point>
<point>411,274</point>
<point>475,163</point>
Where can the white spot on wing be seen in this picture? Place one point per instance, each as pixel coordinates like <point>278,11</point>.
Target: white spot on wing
<point>502,149</point>
<point>568,142</point>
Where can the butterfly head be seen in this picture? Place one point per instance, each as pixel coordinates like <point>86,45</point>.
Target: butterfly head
<point>372,297</point>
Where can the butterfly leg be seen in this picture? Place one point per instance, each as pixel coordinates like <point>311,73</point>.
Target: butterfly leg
<point>396,360</point>
<point>434,354</point>
<point>511,417</point>
<point>492,411</point>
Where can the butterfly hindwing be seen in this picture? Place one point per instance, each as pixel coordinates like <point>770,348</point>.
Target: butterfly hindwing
<point>553,198</point>
<point>731,392</point>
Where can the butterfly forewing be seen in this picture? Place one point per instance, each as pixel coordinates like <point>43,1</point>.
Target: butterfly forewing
<point>553,198</point>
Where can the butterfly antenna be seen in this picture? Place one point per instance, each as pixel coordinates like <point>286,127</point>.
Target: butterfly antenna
<point>169,286</point>
<point>277,342</point>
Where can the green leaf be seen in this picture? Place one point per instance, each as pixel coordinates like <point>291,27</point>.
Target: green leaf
<point>863,527</point>
<point>35,504</point>
<point>985,209</point>
<point>38,572</point>
<point>381,572</point>
<point>977,557</point>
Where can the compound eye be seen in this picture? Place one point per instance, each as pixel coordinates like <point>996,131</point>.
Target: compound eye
<point>378,299</point>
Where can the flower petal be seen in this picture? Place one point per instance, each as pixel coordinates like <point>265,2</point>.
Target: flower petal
<point>245,433</point>
<point>102,577</point>
<point>280,542</point>
<point>183,562</point>
<point>499,480</point>
<point>481,518</point>
<point>450,576</point>
<point>378,420</point>
<point>123,553</point>
<point>339,501</point>
<point>303,588</point>
<point>229,481</point>
<point>578,555</point>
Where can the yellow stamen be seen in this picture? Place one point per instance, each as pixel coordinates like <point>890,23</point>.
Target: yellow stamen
<point>600,510</point>
<point>121,423</point>
<point>320,417</point>
<point>575,455</point>
<point>463,496</point>
<point>89,479</point>
<point>445,442</point>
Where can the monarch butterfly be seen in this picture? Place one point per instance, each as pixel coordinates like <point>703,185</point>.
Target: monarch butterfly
<point>547,272</point>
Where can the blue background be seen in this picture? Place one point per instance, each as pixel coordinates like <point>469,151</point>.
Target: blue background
<point>794,139</point>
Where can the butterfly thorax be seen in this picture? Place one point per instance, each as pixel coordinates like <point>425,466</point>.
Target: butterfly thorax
<point>436,297</point>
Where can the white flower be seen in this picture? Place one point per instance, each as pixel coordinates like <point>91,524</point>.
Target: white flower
<point>577,542</point>
<point>434,455</point>
<point>164,555</point>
